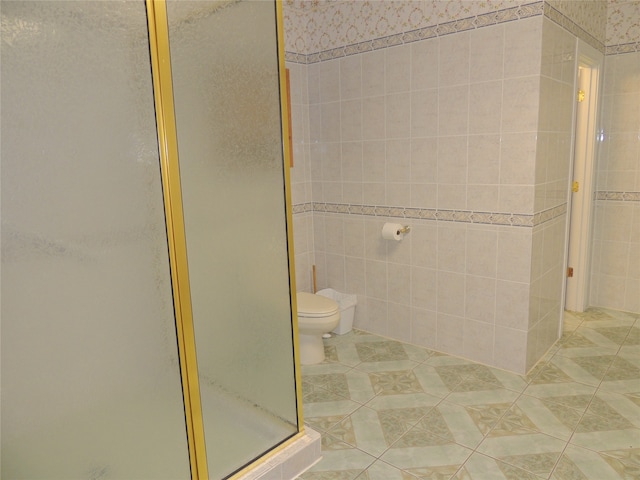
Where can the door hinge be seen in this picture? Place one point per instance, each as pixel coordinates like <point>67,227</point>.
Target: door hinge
<point>569,272</point>
<point>581,96</point>
<point>575,186</point>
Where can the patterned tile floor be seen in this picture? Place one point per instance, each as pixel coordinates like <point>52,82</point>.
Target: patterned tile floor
<point>392,411</point>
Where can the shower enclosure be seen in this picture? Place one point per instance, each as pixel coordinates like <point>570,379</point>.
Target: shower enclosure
<point>147,326</point>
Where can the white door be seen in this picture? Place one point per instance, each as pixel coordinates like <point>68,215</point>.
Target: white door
<point>582,183</point>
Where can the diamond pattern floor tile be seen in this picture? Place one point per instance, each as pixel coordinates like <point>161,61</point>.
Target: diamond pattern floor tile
<point>480,467</point>
<point>391,411</point>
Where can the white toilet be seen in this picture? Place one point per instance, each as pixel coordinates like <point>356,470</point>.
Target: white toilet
<point>316,315</point>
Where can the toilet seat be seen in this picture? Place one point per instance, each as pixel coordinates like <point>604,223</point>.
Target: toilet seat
<point>316,306</point>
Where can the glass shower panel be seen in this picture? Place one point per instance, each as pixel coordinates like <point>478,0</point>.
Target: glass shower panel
<point>90,377</point>
<point>225,73</point>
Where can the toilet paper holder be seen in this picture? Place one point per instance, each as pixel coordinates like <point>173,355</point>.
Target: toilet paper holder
<point>404,229</point>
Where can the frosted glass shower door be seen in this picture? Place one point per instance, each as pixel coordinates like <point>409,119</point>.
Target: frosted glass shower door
<point>224,58</point>
<point>90,377</point>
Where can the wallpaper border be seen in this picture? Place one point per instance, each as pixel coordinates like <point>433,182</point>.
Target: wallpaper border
<point>565,22</point>
<point>622,48</point>
<point>470,23</point>
<point>487,19</point>
<point>461,216</point>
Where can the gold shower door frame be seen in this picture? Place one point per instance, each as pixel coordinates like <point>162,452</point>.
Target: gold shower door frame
<point>170,171</point>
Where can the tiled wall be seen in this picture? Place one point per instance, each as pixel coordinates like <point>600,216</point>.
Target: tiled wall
<point>615,279</point>
<point>408,132</point>
<point>552,164</point>
<point>439,134</point>
<point>301,177</point>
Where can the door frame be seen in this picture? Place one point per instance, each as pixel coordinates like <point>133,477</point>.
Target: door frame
<point>585,137</point>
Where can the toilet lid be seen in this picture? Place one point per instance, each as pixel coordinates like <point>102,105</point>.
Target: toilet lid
<point>310,305</point>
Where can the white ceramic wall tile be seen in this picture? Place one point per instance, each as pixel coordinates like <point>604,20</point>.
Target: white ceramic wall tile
<point>334,234</point>
<point>478,341</point>
<point>518,158</point>
<point>398,193</point>
<point>397,69</point>
<point>523,40</point>
<point>485,107</point>
<point>374,193</point>
<point>484,159</point>
<point>329,81</point>
<point>486,54</point>
<point>424,160</point>
<point>516,198</point>
<point>424,285</point>
<point>335,268</point>
<point>520,100</point>
<point>352,156</point>
<point>452,159</point>
<point>377,320</point>
<point>508,347</point>
<point>355,282</point>
<point>330,122</point>
<point>424,245</point>
<point>399,284</point>
<point>397,120</point>
<point>481,251</point>
<point>514,254</point>
<point>376,279</point>
<point>373,118</point>
<point>480,298</point>
<point>424,195</point>
<point>450,334</point>
<point>452,196</point>
<point>424,113</point>
<point>399,320</point>
<point>512,304</point>
<point>351,77</point>
<point>351,120</point>
<point>482,198</point>
<point>374,160</point>
<point>423,327</point>
<point>424,64</point>
<point>451,247</point>
<point>373,73</point>
<point>453,64</point>
<point>451,293</point>
<point>453,110</point>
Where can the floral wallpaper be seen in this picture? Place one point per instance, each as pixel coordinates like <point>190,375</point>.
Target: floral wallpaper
<point>623,22</point>
<point>317,25</point>
<point>590,15</point>
<point>314,26</point>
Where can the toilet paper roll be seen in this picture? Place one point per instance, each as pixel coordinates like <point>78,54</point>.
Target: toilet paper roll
<point>391,231</point>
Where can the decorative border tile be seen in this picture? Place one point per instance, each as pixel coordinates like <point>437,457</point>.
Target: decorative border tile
<point>459,216</point>
<point>623,48</point>
<point>302,208</point>
<point>618,196</point>
<point>549,214</point>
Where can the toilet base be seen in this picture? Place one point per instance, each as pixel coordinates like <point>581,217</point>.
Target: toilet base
<point>311,349</point>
